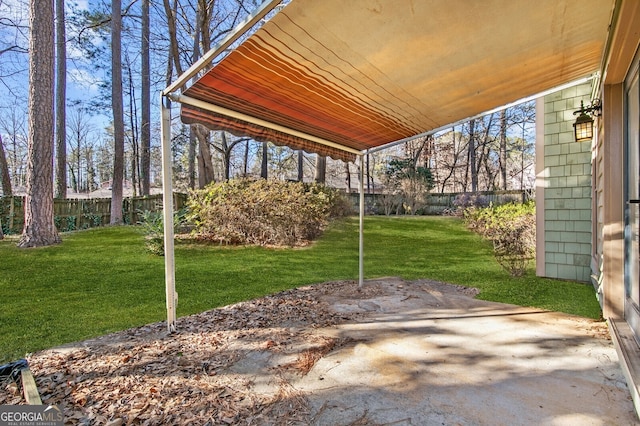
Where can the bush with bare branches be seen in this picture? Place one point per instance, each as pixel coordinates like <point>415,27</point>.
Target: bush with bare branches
<point>264,212</point>
<point>512,229</point>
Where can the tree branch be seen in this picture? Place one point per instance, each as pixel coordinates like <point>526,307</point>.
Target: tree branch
<point>237,141</point>
<point>125,13</point>
<point>16,48</point>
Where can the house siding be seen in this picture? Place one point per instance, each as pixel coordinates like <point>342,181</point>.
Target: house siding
<point>565,202</point>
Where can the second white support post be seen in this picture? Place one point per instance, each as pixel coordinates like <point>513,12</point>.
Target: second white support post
<point>361,244</point>
<point>167,207</point>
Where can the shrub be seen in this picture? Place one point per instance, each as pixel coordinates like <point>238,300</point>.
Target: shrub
<point>390,203</point>
<point>65,223</point>
<point>512,229</point>
<point>408,183</point>
<point>265,212</point>
<point>153,226</point>
<point>93,219</point>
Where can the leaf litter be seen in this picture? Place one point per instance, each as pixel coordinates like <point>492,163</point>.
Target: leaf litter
<point>231,365</point>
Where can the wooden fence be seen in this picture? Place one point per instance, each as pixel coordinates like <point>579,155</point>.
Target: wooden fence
<point>72,214</point>
<point>437,204</point>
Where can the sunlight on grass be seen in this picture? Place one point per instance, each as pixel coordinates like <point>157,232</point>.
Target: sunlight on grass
<point>103,280</point>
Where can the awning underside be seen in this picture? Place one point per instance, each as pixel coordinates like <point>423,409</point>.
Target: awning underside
<point>195,115</point>
<point>362,74</point>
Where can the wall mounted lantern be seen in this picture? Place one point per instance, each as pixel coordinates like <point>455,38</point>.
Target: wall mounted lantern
<point>583,127</point>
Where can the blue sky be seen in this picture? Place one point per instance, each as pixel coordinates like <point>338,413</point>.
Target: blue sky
<point>82,83</point>
<point>16,10</point>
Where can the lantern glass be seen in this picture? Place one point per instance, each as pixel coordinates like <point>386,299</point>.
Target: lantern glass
<point>583,128</point>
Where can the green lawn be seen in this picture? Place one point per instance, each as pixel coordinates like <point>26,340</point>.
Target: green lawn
<point>103,280</point>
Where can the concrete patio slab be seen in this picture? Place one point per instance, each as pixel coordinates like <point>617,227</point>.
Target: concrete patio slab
<point>428,354</point>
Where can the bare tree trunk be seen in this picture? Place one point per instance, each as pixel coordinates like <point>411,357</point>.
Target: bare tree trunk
<point>118,117</point>
<point>173,60</point>
<point>201,173</point>
<point>171,26</point>
<point>472,156</point>
<point>205,165</point>
<point>429,161</point>
<point>193,142</point>
<point>452,168</point>
<point>226,156</point>
<point>300,165</point>
<point>134,166</point>
<point>174,54</point>
<point>265,160</point>
<point>77,133</point>
<point>226,149</point>
<point>490,178</point>
<point>133,125</point>
<point>246,158</point>
<point>39,228</point>
<point>522,159</point>
<point>203,18</point>
<point>4,171</point>
<point>503,149</point>
<point>76,176</point>
<point>15,126</point>
<point>347,177</point>
<point>61,95</point>
<point>321,169</point>
<point>74,181</point>
<point>483,145</point>
<point>145,136</point>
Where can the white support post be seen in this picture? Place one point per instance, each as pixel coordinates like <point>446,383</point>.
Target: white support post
<point>361,245</point>
<point>167,202</point>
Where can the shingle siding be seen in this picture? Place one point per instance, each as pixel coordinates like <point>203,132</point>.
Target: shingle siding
<point>567,194</point>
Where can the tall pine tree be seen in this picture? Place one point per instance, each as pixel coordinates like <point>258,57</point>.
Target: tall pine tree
<point>118,117</point>
<point>39,227</point>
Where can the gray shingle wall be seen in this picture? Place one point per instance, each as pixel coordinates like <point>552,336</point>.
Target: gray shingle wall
<point>567,194</point>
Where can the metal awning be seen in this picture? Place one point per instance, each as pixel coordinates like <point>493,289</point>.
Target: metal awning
<point>339,78</point>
